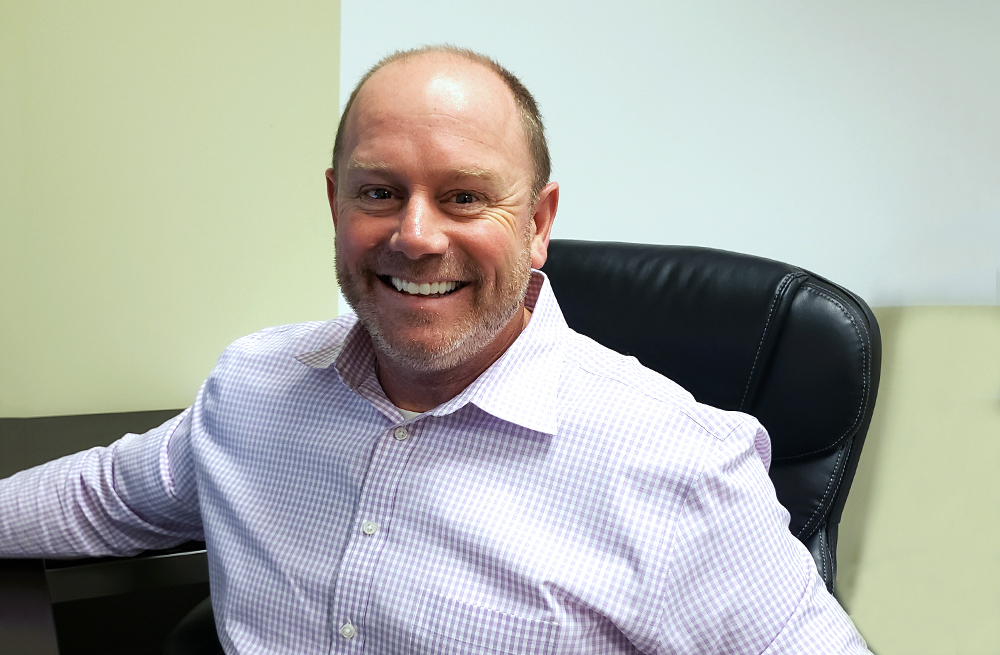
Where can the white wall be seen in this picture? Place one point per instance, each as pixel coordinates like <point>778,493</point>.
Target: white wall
<point>858,140</point>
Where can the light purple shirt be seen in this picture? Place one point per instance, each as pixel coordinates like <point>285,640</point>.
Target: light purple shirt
<point>568,501</point>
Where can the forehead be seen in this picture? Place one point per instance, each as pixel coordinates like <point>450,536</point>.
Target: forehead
<point>436,100</point>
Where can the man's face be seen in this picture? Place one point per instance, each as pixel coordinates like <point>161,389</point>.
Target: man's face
<point>432,204</point>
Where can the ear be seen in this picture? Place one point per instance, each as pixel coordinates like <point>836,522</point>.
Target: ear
<point>331,193</point>
<point>545,214</point>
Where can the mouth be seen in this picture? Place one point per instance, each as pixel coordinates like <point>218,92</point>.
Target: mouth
<point>432,289</point>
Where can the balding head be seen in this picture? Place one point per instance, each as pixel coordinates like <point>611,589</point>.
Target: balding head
<point>525,105</point>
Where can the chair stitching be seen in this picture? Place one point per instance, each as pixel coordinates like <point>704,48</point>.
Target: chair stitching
<point>826,493</point>
<point>833,569</point>
<point>840,480</point>
<point>822,552</point>
<point>785,281</point>
<point>867,368</point>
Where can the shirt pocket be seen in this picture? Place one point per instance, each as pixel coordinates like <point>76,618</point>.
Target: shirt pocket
<point>445,626</point>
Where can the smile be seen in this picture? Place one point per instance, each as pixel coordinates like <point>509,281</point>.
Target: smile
<point>441,288</point>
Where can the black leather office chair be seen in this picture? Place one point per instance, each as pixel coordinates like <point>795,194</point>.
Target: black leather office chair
<point>799,352</point>
<point>793,349</point>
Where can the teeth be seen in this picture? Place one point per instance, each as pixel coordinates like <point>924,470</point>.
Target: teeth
<point>425,289</point>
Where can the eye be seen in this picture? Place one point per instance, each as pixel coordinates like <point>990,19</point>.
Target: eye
<point>378,194</point>
<point>464,198</point>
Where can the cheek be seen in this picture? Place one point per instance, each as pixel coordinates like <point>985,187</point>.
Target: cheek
<point>493,240</point>
<point>504,220</point>
<point>357,236</point>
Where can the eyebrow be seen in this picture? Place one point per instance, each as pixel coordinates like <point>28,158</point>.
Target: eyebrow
<point>384,168</point>
<point>372,167</point>
<point>478,173</point>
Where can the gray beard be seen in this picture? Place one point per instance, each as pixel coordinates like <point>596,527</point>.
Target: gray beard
<point>492,310</point>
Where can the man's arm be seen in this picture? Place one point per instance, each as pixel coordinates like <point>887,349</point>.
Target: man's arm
<point>738,581</point>
<point>131,496</point>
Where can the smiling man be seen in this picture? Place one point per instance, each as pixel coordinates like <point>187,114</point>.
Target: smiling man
<point>451,469</point>
<point>440,216</point>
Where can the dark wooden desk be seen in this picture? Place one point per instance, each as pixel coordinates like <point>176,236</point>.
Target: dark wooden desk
<point>105,605</point>
<point>26,623</point>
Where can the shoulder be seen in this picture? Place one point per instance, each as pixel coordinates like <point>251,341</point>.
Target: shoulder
<point>596,379</point>
<point>262,374</point>
<point>632,418</point>
<point>293,339</point>
<point>276,351</point>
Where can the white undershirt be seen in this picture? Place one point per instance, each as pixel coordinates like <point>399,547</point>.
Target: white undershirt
<point>407,414</point>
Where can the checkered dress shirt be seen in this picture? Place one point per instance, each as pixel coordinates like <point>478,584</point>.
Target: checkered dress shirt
<point>568,501</point>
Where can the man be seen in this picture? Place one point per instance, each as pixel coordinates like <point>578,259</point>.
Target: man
<point>454,470</point>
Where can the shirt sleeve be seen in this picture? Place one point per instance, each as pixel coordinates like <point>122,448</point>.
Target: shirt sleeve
<point>737,580</point>
<point>134,495</point>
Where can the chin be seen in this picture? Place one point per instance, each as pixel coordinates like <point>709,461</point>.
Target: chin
<point>441,351</point>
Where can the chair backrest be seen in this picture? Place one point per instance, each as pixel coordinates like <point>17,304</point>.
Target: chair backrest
<point>739,332</point>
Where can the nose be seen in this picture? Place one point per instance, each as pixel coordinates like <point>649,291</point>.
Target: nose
<point>420,231</point>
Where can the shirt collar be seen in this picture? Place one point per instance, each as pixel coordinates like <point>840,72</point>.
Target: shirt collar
<point>520,387</point>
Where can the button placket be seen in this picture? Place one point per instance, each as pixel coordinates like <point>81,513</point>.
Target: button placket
<point>373,513</point>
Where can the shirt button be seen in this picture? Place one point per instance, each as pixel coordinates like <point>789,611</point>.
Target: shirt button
<point>401,434</point>
<point>369,527</point>
<point>347,631</point>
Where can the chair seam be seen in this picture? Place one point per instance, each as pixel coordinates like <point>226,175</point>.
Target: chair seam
<point>822,553</point>
<point>826,493</point>
<point>778,294</point>
<point>833,569</point>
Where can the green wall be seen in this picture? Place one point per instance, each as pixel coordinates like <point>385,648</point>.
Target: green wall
<point>161,192</point>
<point>920,538</point>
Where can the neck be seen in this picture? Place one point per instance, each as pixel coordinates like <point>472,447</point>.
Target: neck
<point>419,391</point>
